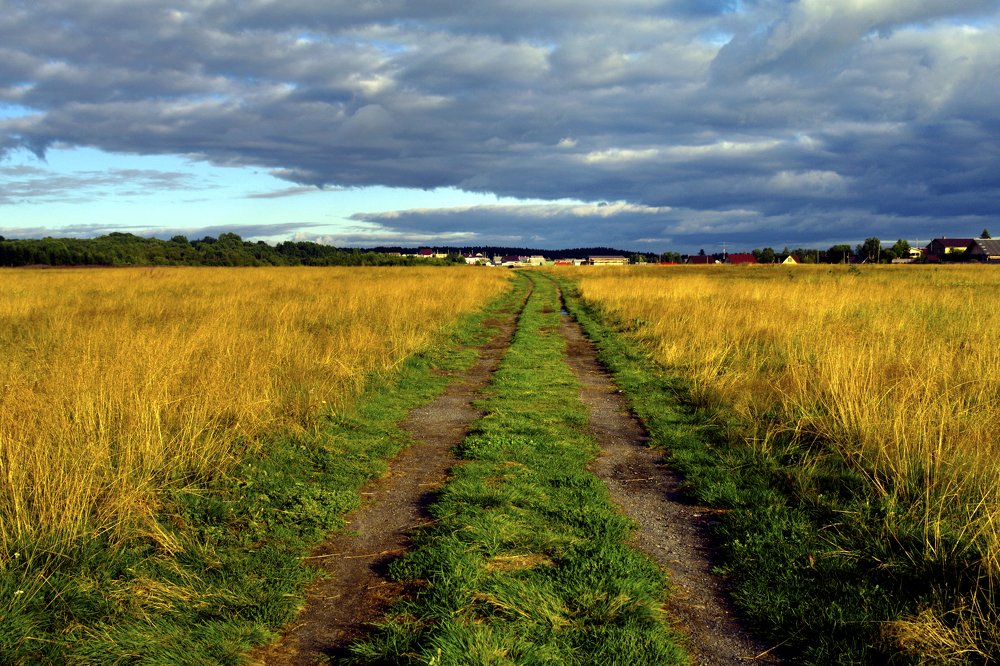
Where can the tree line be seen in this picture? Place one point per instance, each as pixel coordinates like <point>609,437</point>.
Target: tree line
<point>229,249</point>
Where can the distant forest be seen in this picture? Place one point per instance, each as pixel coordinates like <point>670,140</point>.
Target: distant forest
<point>121,249</point>
<point>229,249</point>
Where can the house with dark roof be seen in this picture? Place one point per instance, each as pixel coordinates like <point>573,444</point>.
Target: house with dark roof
<point>986,250</point>
<point>939,248</point>
<point>701,259</point>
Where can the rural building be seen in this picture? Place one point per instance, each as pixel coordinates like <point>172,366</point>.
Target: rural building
<point>607,261</point>
<point>701,260</point>
<point>986,250</point>
<point>790,260</point>
<point>741,258</point>
<point>428,253</point>
<point>939,248</point>
<point>534,260</point>
<point>477,258</point>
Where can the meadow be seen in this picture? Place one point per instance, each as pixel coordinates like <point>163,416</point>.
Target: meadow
<point>890,373</point>
<point>120,383</point>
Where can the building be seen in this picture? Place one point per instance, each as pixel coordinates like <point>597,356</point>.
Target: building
<point>741,258</point>
<point>939,248</point>
<point>701,260</point>
<point>428,253</point>
<point>607,261</point>
<point>986,250</point>
<point>790,260</point>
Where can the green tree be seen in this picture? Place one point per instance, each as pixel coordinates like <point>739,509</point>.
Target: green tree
<point>767,256</point>
<point>871,249</point>
<point>901,249</point>
<point>985,234</point>
<point>839,254</point>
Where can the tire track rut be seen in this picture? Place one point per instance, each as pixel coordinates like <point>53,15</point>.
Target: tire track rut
<point>354,591</point>
<point>673,532</point>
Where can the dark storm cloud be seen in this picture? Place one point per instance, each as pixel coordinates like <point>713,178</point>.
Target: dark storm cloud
<point>816,116</point>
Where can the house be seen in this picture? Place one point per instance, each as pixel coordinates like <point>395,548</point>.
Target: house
<point>790,260</point>
<point>475,259</point>
<point>741,258</point>
<point>510,260</point>
<point>940,248</point>
<point>986,250</point>
<point>428,253</point>
<point>534,260</point>
<point>607,261</point>
<point>701,259</point>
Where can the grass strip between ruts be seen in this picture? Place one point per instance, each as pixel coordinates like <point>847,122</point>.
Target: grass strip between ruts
<point>800,575</point>
<point>237,573</point>
<point>526,560</point>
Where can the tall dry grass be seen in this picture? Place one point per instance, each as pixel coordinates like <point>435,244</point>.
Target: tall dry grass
<point>115,383</point>
<point>897,367</point>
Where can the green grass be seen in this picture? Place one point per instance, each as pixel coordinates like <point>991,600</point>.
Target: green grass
<point>238,573</point>
<point>526,562</point>
<point>799,541</point>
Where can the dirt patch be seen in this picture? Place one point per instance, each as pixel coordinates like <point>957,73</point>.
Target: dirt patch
<point>672,532</point>
<point>354,591</point>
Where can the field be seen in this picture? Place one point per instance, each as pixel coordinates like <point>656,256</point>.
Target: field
<point>892,373</point>
<point>118,383</point>
<point>175,441</point>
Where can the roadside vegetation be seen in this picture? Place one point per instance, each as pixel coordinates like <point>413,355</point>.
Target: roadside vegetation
<point>526,560</point>
<point>173,440</point>
<point>851,441</point>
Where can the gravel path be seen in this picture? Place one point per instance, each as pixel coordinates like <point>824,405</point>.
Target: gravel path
<point>354,591</point>
<point>671,531</point>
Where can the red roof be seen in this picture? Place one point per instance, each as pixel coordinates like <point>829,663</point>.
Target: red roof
<point>701,259</point>
<point>742,258</point>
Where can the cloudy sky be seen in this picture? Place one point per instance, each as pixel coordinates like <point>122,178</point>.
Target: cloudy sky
<point>640,124</point>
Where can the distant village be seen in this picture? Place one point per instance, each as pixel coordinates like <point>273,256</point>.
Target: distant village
<point>940,250</point>
<point>229,249</point>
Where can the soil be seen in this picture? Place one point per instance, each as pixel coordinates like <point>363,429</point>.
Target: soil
<point>673,532</point>
<point>354,591</point>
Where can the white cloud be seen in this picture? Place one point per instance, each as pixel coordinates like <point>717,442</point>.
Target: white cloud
<point>781,109</point>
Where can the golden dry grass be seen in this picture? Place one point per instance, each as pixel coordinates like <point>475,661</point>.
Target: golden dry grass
<point>117,382</point>
<point>897,367</point>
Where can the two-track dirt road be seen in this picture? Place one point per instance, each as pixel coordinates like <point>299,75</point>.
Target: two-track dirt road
<point>355,591</point>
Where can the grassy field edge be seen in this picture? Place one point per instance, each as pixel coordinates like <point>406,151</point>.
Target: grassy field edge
<point>802,576</point>
<point>227,571</point>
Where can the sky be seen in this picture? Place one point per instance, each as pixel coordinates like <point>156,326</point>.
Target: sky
<point>650,125</point>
